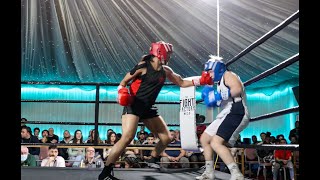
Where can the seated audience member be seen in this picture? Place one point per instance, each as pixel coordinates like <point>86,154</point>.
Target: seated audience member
<point>177,131</point>
<point>146,154</point>
<point>174,155</point>
<point>130,158</point>
<point>262,136</point>
<point>294,140</point>
<point>295,131</point>
<point>66,139</point>
<point>280,136</point>
<point>26,158</point>
<point>44,149</point>
<point>195,156</point>
<point>91,140</point>
<point>36,132</point>
<point>92,161</point>
<point>23,122</point>
<point>266,155</point>
<point>200,127</point>
<point>111,139</point>
<point>44,138</point>
<point>53,160</point>
<point>109,131</point>
<point>282,157</point>
<point>52,138</point>
<point>27,137</point>
<point>76,154</point>
<point>141,135</point>
<point>254,139</point>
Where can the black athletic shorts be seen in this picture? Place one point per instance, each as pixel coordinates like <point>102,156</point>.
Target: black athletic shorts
<point>141,110</point>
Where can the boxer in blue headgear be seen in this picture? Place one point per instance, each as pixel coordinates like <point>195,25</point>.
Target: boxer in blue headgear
<point>217,66</point>
<point>233,117</point>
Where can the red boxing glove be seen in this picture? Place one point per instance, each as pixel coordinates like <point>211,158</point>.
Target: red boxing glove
<point>124,98</point>
<point>205,79</point>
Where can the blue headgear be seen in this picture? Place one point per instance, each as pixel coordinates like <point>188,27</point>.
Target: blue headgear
<point>217,66</point>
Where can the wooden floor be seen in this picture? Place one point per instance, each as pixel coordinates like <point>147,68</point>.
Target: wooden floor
<point>43,173</point>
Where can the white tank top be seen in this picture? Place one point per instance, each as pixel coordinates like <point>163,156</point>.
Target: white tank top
<point>223,89</point>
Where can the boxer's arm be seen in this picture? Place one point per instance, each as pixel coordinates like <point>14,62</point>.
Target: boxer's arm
<point>176,78</point>
<point>128,77</point>
<point>233,82</point>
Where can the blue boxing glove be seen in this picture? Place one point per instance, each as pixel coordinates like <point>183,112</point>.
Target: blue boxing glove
<point>211,97</point>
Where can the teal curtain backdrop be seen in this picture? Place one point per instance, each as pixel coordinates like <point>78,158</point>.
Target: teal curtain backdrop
<point>259,101</point>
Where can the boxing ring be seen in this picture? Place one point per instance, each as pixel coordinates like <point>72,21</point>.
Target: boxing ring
<point>35,173</point>
<point>53,173</point>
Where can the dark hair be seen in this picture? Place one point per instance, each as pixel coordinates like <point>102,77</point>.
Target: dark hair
<point>24,119</point>
<point>53,147</point>
<point>283,140</point>
<point>108,141</point>
<point>44,131</point>
<point>74,140</point>
<point>268,134</point>
<point>280,135</point>
<point>27,128</point>
<point>36,128</point>
<point>119,135</point>
<point>148,57</point>
<point>151,135</point>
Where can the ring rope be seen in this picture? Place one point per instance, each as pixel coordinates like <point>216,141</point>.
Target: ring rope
<point>265,37</point>
<point>273,70</point>
<point>265,116</point>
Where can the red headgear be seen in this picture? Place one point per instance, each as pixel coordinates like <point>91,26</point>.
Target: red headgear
<point>162,51</point>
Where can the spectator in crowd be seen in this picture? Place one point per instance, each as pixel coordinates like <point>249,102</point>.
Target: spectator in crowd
<point>262,136</point>
<point>294,140</point>
<point>268,133</point>
<point>111,139</point>
<point>177,131</point>
<point>146,154</point>
<point>109,131</point>
<point>63,152</point>
<point>91,140</point>
<point>23,122</point>
<point>141,135</point>
<point>280,136</point>
<point>85,141</point>
<point>76,154</point>
<point>272,139</point>
<point>200,127</point>
<point>174,155</point>
<point>92,160</point>
<point>53,160</point>
<point>44,138</point>
<point>52,138</point>
<point>119,135</point>
<point>36,132</point>
<point>27,137</point>
<point>195,156</point>
<point>265,154</point>
<point>26,158</point>
<point>254,139</point>
<point>282,157</point>
<point>295,131</point>
<point>131,157</point>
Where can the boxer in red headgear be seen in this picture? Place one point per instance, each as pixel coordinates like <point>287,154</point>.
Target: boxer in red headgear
<point>147,77</point>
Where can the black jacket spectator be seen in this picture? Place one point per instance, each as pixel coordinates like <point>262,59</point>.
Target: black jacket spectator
<point>32,139</point>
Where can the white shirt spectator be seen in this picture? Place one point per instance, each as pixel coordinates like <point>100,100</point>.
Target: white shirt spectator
<point>53,162</point>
